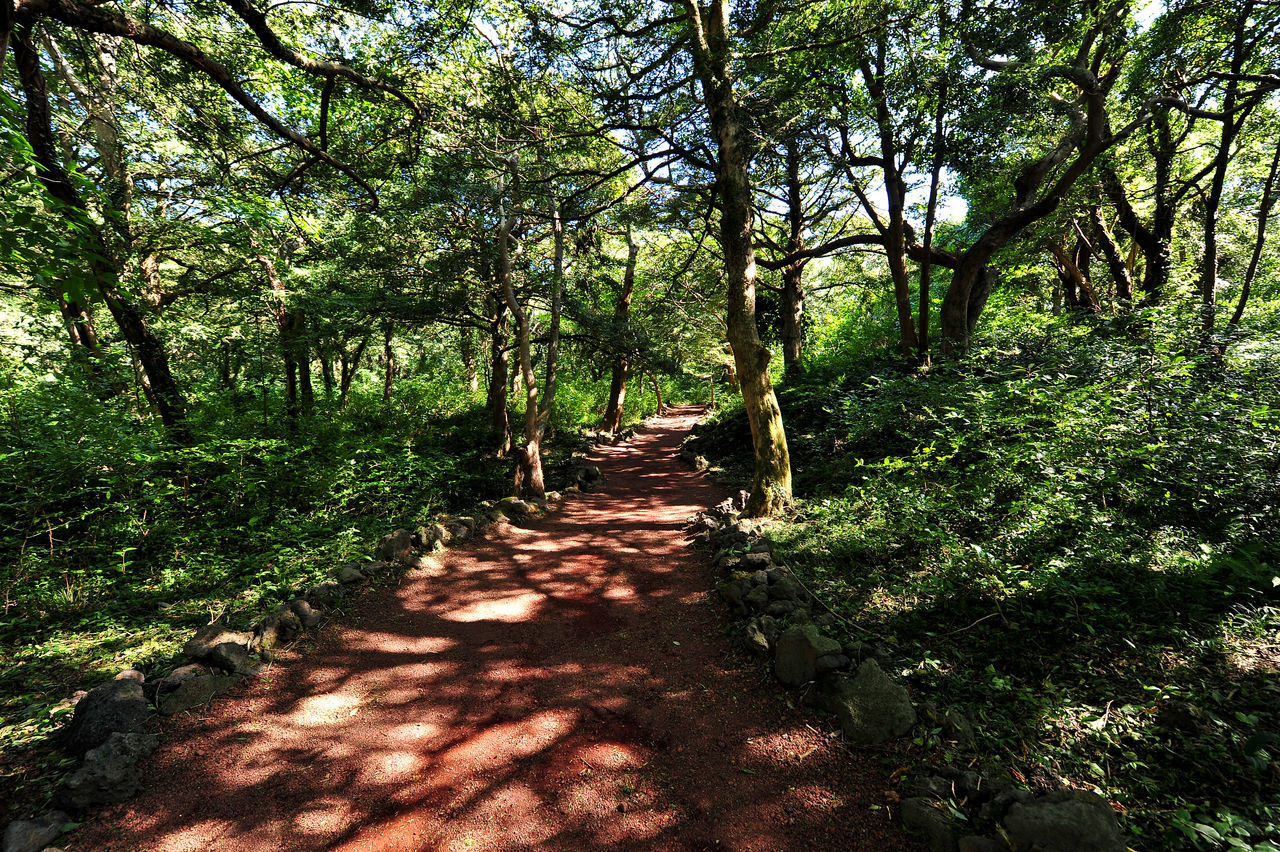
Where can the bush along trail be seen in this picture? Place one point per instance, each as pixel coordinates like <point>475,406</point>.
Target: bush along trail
<point>784,622</point>
<point>560,682</point>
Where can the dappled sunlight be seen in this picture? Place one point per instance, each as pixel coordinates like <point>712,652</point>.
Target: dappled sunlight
<point>521,606</point>
<point>560,686</point>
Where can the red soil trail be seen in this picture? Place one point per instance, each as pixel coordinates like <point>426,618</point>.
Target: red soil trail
<point>563,686</point>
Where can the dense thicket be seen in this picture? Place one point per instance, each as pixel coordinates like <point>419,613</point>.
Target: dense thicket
<point>274,278</point>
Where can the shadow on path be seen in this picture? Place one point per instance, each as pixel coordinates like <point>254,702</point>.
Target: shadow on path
<point>563,686</point>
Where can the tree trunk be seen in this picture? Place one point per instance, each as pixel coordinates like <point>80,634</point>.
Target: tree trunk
<point>1231,123</point>
<point>302,355</point>
<point>621,316</point>
<point>499,419</point>
<point>467,343</point>
<point>553,336</point>
<point>712,55</point>
<point>148,349</point>
<point>286,329</point>
<point>388,357</point>
<point>895,187</point>
<point>793,272</point>
<point>1260,238</point>
<point>347,366</point>
<point>528,479</point>
<point>326,372</point>
<point>1115,263</point>
<point>657,393</point>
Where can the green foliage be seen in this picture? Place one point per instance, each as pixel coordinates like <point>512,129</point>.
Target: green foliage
<point>1073,538</point>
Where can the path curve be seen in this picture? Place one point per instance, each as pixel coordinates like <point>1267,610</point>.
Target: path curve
<point>565,686</point>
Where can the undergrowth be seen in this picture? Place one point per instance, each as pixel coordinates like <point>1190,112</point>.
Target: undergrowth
<point>1074,541</point>
<point>116,544</point>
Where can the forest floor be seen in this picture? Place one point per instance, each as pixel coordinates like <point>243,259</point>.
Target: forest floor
<point>561,685</point>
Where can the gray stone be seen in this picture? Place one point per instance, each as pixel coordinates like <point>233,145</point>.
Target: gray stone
<point>761,545</point>
<point>733,592</point>
<point>306,613</point>
<point>920,817</point>
<point>757,599</point>
<point>769,627</point>
<point>785,588</point>
<point>872,709</point>
<point>396,546</point>
<point>797,652</point>
<point>515,509</point>
<point>760,578</point>
<point>756,641</point>
<point>930,786</point>
<point>325,594</point>
<point>118,706</point>
<point>1065,821</point>
<point>214,643</point>
<point>831,663</point>
<point>32,835</point>
<point>110,772</point>
<point>348,574</point>
<point>228,656</point>
<point>781,609</point>
<point>131,674</point>
<point>974,843</point>
<point>279,628</point>
<point>192,692</point>
<point>754,562</point>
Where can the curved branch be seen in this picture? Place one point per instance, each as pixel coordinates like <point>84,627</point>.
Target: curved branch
<point>257,22</point>
<point>99,20</point>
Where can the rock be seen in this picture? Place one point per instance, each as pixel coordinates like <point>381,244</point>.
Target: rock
<point>786,588</point>
<point>131,674</point>
<point>461,532</point>
<point>348,574</point>
<point>192,692</point>
<point>930,786</point>
<point>781,609</point>
<point>754,562</point>
<point>831,663</point>
<point>370,569</point>
<point>1065,821</point>
<point>760,578</point>
<point>700,463</point>
<point>395,546</point>
<point>118,706</point>
<point>110,772</point>
<point>756,641</point>
<point>733,592</point>
<point>32,835</point>
<point>279,628</point>
<point>229,656</point>
<point>209,645</point>
<point>922,818</point>
<point>552,497</point>
<point>306,613</point>
<point>1005,798</point>
<point>872,709</point>
<point>324,595</point>
<point>757,599</point>
<point>429,565</point>
<point>974,843</point>
<point>515,509</point>
<point>797,652</point>
<point>740,499</point>
<point>761,545</point>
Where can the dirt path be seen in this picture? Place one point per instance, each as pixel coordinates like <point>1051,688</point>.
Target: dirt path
<point>565,686</point>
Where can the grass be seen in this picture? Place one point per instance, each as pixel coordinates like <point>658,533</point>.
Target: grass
<point>1072,540</point>
<point>116,545</point>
